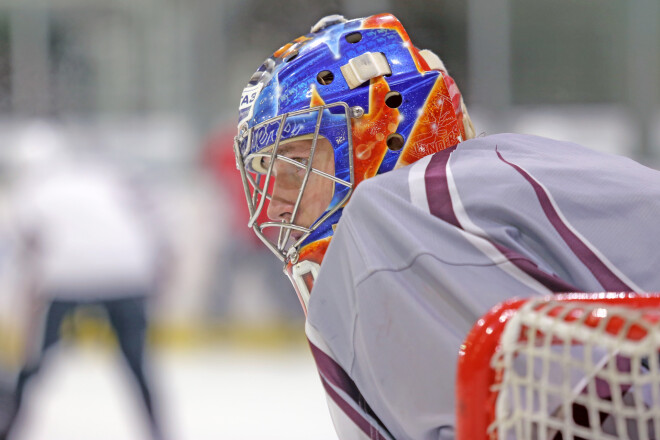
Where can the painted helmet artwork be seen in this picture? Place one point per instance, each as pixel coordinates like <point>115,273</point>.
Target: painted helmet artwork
<point>350,100</point>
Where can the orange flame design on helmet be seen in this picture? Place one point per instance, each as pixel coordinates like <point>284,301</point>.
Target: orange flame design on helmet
<point>437,127</point>
<point>389,21</point>
<point>371,130</point>
<point>315,251</point>
<point>289,48</point>
<point>315,100</point>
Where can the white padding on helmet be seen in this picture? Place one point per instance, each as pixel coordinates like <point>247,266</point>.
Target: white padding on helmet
<point>434,61</point>
<point>326,21</point>
<point>364,67</point>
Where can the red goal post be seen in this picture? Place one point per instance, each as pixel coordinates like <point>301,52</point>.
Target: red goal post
<point>581,366</point>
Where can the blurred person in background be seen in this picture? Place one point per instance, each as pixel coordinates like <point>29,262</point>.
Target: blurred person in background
<point>398,228</point>
<point>86,235</point>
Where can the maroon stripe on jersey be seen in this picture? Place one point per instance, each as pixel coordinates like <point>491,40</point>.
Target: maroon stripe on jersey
<point>435,178</point>
<point>552,282</point>
<point>440,205</point>
<point>373,432</point>
<point>601,272</point>
<point>333,374</point>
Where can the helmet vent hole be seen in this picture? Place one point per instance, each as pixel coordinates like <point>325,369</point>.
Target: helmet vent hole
<point>393,99</point>
<point>291,57</point>
<point>324,78</point>
<point>395,142</point>
<point>353,37</point>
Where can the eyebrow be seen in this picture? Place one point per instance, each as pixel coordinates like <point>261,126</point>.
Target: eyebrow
<point>283,150</point>
<point>286,148</point>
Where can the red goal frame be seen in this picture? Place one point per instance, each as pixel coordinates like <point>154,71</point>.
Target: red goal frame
<point>475,396</point>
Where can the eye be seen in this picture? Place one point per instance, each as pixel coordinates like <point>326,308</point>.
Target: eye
<point>265,163</point>
<point>304,161</point>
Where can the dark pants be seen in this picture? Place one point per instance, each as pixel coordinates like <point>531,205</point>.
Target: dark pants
<point>128,319</point>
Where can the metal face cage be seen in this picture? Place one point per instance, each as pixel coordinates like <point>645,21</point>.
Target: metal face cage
<point>260,144</point>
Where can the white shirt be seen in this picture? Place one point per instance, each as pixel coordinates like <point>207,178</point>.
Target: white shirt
<point>91,239</point>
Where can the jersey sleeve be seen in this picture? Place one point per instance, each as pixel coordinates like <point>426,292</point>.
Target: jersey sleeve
<point>392,309</point>
<point>422,252</point>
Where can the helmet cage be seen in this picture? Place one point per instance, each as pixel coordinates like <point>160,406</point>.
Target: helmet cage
<point>256,182</point>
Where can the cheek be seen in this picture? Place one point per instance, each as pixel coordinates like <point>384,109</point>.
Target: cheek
<point>318,194</point>
<point>320,190</point>
<point>328,191</point>
<point>327,185</point>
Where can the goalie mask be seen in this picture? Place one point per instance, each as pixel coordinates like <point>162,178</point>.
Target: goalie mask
<point>350,100</point>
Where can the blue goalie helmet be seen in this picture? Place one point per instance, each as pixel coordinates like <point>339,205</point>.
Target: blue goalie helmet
<point>350,100</point>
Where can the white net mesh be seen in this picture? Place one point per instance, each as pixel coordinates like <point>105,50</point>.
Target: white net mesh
<point>576,370</point>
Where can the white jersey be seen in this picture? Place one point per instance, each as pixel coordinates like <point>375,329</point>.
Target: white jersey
<point>91,241</point>
<point>422,252</point>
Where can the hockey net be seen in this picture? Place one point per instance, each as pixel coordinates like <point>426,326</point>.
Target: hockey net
<point>575,366</point>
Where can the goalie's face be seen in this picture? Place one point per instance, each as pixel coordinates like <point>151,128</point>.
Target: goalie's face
<point>293,181</point>
<point>293,185</point>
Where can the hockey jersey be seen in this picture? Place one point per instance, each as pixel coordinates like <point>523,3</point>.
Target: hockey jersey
<point>423,251</point>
